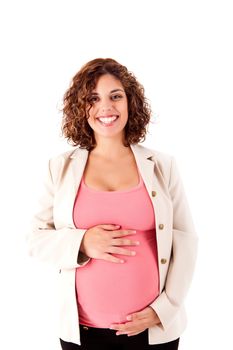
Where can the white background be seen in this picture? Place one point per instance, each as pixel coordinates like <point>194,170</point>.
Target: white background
<point>181,51</point>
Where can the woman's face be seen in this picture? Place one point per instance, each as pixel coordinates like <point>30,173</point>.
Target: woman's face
<point>108,114</point>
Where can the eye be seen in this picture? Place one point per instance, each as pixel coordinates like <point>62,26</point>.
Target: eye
<point>116,97</point>
<point>93,99</point>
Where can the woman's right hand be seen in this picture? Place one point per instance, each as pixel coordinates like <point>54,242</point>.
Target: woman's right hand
<point>101,241</point>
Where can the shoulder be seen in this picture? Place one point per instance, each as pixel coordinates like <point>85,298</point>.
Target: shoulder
<point>64,155</point>
<point>162,159</point>
<point>59,164</point>
<point>163,162</point>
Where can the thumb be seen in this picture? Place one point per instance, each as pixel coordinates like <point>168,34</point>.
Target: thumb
<point>137,315</point>
<point>133,317</point>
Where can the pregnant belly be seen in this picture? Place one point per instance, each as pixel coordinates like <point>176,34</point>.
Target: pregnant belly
<point>107,292</point>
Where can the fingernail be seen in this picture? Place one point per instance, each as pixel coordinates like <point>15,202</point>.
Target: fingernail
<point>134,231</point>
<point>122,261</point>
<point>129,318</point>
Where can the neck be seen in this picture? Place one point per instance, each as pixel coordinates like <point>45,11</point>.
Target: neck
<point>111,148</point>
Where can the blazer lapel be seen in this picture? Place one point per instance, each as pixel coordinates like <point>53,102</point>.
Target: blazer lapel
<point>145,165</point>
<point>78,159</point>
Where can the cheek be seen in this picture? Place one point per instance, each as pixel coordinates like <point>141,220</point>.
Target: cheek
<point>92,111</point>
<point>125,111</point>
<point>90,114</point>
<point>125,108</point>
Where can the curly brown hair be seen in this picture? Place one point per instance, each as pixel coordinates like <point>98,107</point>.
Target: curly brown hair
<point>76,103</point>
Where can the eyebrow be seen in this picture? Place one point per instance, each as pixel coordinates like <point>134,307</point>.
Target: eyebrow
<point>115,90</point>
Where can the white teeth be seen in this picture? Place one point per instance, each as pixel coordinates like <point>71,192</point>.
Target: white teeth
<point>107,120</point>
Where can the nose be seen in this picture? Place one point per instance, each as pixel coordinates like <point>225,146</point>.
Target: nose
<point>106,105</point>
<point>105,109</point>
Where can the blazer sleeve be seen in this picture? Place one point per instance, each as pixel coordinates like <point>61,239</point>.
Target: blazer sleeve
<point>183,257</point>
<point>59,247</point>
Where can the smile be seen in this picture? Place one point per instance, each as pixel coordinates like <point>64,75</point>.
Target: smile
<point>109,120</point>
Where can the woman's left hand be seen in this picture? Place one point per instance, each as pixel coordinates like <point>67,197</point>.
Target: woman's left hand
<point>138,322</point>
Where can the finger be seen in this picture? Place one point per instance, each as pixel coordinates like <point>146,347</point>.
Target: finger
<point>120,233</point>
<point>120,333</point>
<point>111,258</point>
<point>137,315</point>
<point>130,334</point>
<point>131,331</point>
<point>109,226</point>
<point>125,327</point>
<point>118,327</point>
<point>116,250</point>
<point>134,317</point>
<point>121,241</point>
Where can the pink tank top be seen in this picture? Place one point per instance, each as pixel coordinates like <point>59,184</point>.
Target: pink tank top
<point>107,292</point>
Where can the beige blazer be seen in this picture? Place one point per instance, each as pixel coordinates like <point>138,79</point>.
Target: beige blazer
<point>54,238</point>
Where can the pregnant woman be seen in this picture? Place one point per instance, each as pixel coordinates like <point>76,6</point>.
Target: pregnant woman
<point>115,221</point>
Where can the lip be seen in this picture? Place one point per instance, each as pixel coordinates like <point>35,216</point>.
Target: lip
<point>107,116</point>
<point>108,124</point>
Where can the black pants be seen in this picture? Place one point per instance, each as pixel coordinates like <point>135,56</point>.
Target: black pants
<point>106,339</point>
